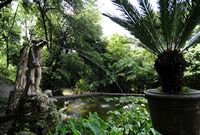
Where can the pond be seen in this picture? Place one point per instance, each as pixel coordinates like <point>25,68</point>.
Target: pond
<point>82,106</point>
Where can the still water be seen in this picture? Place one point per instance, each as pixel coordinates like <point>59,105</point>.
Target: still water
<point>82,106</point>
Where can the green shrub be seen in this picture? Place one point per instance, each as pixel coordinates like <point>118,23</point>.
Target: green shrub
<point>93,125</point>
<point>132,119</point>
<point>192,73</point>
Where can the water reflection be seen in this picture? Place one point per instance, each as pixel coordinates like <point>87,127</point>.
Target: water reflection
<point>82,106</point>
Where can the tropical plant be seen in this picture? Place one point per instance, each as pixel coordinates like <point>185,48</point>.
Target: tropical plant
<point>166,32</point>
<point>93,125</point>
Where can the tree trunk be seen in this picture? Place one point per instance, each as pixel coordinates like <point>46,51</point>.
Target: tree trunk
<point>170,67</point>
<point>7,53</point>
<point>20,82</point>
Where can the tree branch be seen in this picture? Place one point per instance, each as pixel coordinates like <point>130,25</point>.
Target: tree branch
<point>4,3</point>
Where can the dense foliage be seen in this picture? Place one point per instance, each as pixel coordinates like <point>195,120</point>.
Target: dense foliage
<point>192,73</point>
<point>128,67</point>
<point>81,58</point>
<point>132,119</point>
<point>77,55</point>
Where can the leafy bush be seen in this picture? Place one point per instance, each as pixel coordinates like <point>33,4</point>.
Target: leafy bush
<point>132,119</point>
<point>93,125</point>
<point>71,69</point>
<point>132,73</point>
<point>83,85</point>
<point>128,67</point>
<point>192,73</point>
<point>7,72</point>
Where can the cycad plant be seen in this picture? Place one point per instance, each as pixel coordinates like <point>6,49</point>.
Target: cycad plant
<point>165,31</point>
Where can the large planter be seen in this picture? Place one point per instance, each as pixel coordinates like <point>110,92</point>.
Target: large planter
<point>175,114</point>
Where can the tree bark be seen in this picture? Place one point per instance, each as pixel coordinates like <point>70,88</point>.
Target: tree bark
<point>20,82</point>
<point>7,52</point>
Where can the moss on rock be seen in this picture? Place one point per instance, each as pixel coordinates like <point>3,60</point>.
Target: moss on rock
<point>36,113</point>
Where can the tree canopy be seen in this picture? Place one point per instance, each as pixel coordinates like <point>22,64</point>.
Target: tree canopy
<point>77,54</point>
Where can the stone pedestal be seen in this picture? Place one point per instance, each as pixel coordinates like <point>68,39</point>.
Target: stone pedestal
<point>36,113</point>
<point>13,100</point>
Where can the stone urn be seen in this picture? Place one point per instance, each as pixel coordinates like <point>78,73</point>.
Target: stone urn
<point>175,114</point>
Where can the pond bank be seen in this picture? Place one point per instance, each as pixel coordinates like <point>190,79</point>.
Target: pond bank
<point>96,95</point>
<point>6,121</point>
<point>83,104</point>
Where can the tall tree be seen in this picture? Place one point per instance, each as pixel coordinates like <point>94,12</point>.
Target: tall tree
<point>69,26</point>
<point>10,32</point>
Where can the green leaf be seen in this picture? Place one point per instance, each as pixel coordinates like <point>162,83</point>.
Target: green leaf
<point>193,41</point>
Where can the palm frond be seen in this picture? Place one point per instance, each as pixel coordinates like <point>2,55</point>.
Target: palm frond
<point>191,20</point>
<point>134,22</point>
<point>128,25</point>
<point>177,23</point>
<point>150,19</point>
<point>169,28</point>
<point>164,16</point>
<point>193,41</point>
